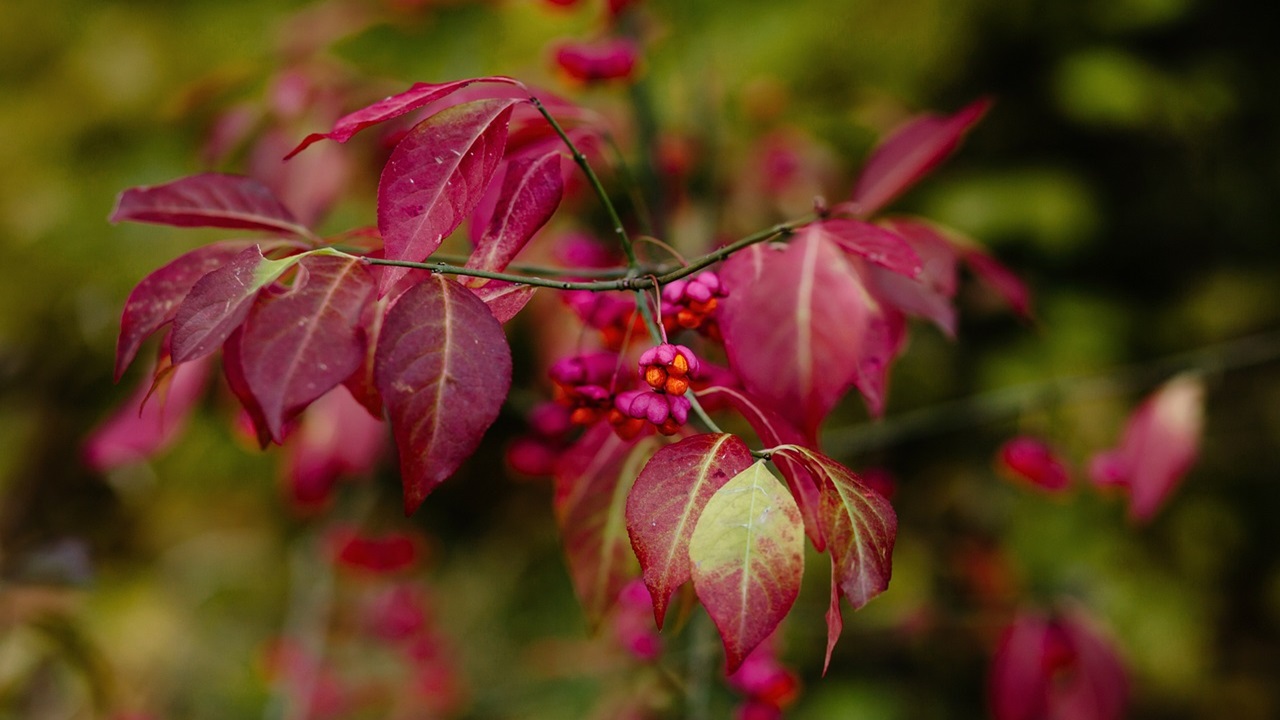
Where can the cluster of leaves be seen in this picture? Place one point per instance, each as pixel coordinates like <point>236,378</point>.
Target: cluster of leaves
<point>1159,445</point>
<point>800,321</point>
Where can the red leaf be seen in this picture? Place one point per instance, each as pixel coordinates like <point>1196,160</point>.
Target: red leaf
<point>505,299</point>
<point>361,382</point>
<point>591,486</point>
<point>299,344</point>
<point>860,527</point>
<point>233,371</point>
<point>209,200</point>
<point>419,95</point>
<point>1056,667</point>
<point>910,153</point>
<point>1032,460</point>
<point>835,621</point>
<point>435,177</point>
<point>380,554</point>
<point>154,301</point>
<point>666,501</point>
<point>877,244</point>
<point>747,557</point>
<point>792,323</point>
<point>929,294</point>
<point>139,429</point>
<point>1008,285</point>
<point>1160,444</point>
<point>444,368</point>
<point>531,192</point>
<point>608,59</point>
<point>773,431</point>
<point>220,301</point>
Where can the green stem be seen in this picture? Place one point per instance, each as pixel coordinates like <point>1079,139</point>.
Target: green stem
<point>650,322</point>
<point>647,132</point>
<point>440,268</point>
<point>702,413</point>
<point>719,254</point>
<point>644,215</point>
<point>702,649</point>
<point>546,270</point>
<point>628,282</point>
<point>596,185</point>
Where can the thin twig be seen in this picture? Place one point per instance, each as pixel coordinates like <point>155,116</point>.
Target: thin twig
<point>306,623</point>
<point>990,406</point>
<point>594,180</point>
<point>608,273</point>
<point>622,283</point>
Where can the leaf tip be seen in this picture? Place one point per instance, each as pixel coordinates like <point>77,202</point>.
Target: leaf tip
<point>306,142</point>
<point>660,604</point>
<point>412,501</point>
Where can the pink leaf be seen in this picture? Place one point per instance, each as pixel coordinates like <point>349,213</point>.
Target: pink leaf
<point>592,481</point>
<point>299,344</point>
<point>747,557</point>
<point>419,95</point>
<point>533,139</point>
<point>1033,460</point>
<point>443,368</point>
<point>505,299</point>
<point>220,301</point>
<point>154,301</point>
<point>910,153</point>
<point>878,245</point>
<point>773,431</point>
<point>929,294</point>
<point>1001,279</point>
<point>435,177</point>
<point>208,200</point>
<point>1056,667</point>
<point>397,614</point>
<point>530,194</point>
<point>884,339</point>
<point>1160,444</point>
<point>140,428</point>
<point>632,623</point>
<point>666,501</point>
<point>765,681</point>
<point>335,437</point>
<point>792,323</point>
<point>309,186</point>
<point>608,59</point>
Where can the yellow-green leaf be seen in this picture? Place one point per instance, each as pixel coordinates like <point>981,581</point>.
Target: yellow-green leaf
<point>747,557</point>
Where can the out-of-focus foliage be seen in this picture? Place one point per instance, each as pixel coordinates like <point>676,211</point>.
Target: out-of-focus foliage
<point>1127,170</point>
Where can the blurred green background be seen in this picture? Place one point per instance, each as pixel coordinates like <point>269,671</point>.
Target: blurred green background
<point>1128,171</point>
